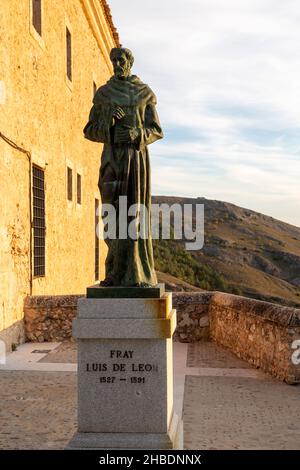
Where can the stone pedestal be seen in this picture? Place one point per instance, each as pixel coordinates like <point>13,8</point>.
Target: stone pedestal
<point>125,371</point>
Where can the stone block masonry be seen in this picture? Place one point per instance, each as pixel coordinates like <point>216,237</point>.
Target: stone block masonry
<point>259,332</point>
<point>49,318</point>
<point>192,316</point>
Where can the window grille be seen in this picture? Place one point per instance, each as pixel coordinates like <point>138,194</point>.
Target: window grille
<point>39,225</point>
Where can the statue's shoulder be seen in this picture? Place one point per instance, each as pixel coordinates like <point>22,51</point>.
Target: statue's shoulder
<point>121,91</point>
<point>102,95</point>
<point>144,90</point>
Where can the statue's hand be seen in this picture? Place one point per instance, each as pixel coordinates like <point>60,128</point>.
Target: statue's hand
<point>126,135</point>
<point>118,112</point>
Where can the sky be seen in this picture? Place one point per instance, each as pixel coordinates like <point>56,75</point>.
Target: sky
<point>226,74</point>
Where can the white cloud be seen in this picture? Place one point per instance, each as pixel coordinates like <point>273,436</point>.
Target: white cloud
<point>226,73</point>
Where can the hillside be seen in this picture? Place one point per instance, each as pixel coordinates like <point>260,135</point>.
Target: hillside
<point>245,252</point>
<point>174,284</point>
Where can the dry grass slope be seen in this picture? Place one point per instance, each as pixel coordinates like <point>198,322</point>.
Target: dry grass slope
<point>246,252</point>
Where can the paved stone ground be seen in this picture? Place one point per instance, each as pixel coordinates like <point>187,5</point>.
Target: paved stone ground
<point>210,355</point>
<point>240,413</point>
<point>224,407</point>
<point>66,352</point>
<point>38,409</point>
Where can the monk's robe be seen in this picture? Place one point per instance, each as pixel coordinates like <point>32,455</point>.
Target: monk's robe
<point>125,171</point>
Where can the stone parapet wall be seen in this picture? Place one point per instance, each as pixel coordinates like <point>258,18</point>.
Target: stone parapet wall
<point>192,316</point>
<point>13,335</point>
<point>49,318</point>
<point>259,332</point>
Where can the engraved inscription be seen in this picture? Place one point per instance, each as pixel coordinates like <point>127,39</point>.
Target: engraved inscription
<point>128,364</point>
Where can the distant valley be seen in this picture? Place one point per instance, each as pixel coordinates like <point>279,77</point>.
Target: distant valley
<point>245,253</point>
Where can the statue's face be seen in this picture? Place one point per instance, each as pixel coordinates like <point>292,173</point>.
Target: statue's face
<point>121,65</point>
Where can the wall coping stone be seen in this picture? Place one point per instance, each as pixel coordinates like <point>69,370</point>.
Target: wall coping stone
<point>52,301</point>
<point>180,298</point>
<point>281,315</point>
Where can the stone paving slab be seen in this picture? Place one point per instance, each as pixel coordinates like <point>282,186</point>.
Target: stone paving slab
<point>240,413</point>
<point>203,354</point>
<point>209,354</point>
<point>38,409</point>
<point>227,403</point>
<point>66,352</point>
<point>28,357</point>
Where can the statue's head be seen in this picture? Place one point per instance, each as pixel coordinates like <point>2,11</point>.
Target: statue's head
<point>122,60</point>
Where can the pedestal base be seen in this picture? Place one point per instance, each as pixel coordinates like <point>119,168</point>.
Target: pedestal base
<point>113,441</point>
<point>125,373</point>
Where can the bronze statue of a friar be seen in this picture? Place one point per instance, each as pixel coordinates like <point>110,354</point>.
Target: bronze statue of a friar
<point>124,119</point>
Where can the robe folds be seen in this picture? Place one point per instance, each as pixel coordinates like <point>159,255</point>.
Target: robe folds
<point>125,171</point>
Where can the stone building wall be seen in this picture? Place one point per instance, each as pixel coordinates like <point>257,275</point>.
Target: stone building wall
<point>44,113</point>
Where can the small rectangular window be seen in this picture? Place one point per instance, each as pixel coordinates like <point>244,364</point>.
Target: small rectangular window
<point>70,183</point>
<point>69,54</point>
<point>78,188</point>
<point>97,248</point>
<point>37,15</point>
<point>39,223</point>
